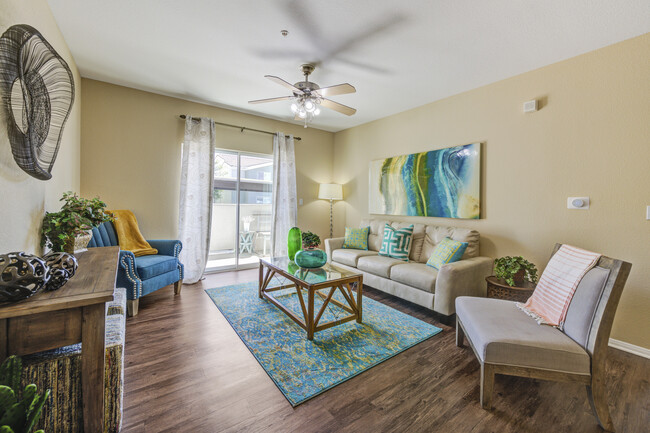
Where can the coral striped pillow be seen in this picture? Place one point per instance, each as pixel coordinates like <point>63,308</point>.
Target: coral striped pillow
<point>552,296</point>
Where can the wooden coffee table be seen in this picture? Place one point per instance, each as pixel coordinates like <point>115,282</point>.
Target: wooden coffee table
<point>322,282</point>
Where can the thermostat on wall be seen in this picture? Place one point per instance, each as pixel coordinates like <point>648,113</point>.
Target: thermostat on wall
<point>577,203</point>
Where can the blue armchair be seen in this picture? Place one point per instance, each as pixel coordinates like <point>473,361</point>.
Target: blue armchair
<point>145,274</point>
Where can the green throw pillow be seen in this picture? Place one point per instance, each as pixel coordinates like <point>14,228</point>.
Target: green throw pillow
<point>397,242</point>
<point>447,251</point>
<point>356,238</point>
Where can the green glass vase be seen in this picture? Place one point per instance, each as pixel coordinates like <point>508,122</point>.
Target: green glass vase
<point>294,242</point>
<point>311,258</point>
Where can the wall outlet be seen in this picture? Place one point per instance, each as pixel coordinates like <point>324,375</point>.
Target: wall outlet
<point>299,202</point>
<point>581,203</point>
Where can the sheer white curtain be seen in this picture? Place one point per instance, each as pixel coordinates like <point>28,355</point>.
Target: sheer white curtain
<point>195,202</point>
<point>285,206</point>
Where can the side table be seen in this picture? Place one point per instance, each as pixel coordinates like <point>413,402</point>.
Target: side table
<point>497,288</point>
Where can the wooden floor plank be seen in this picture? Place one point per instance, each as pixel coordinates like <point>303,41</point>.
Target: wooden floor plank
<point>188,371</point>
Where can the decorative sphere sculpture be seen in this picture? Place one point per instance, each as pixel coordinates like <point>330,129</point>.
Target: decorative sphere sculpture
<point>21,276</point>
<point>62,267</point>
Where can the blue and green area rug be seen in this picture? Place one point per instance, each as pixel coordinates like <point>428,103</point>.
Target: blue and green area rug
<point>301,368</point>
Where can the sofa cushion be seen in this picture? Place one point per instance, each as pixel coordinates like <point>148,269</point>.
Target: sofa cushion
<point>151,266</point>
<point>376,234</point>
<point>356,238</point>
<point>397,242</point>
<point>435,234</point>
<point>447,251</point>
<point>377,265</point>
<point>417,275</point>
<point>503,334</point>
<point>349,256</point>
<point>417,240</point>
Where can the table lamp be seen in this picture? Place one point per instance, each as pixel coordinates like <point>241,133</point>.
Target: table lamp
<point>331,192</point>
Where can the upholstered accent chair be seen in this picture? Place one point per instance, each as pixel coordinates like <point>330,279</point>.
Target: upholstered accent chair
<point>145,274</point>
<point>508,341</point>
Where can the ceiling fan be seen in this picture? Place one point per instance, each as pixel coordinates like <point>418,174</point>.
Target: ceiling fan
<point>308,96</point>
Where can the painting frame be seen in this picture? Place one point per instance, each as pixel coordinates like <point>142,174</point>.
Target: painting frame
<point>441,183</point>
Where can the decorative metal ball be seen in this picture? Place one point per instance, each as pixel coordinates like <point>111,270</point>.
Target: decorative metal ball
<point>21,276</point>
<point>62,267</point>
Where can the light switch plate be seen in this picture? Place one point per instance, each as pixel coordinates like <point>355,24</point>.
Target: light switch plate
<point>300,202</point>
<point>647,212</point>
<point>581,203</point>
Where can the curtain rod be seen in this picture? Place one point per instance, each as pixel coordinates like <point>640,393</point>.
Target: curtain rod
<point>242,128</point>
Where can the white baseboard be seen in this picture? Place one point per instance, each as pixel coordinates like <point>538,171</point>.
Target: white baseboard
<point>631,348</point>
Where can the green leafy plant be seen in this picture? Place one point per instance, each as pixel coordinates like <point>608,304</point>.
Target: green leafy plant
<point>18,411</point>
<point>310,240</point>
<point>77,216</point>
<point>514,270</point>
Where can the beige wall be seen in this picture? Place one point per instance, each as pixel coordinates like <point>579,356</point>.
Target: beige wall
<point>132,148</point>
<point>590,138</point>
<point>25,198</point>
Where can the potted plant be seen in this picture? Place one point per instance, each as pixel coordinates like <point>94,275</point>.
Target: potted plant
<point>310,240</point>
<point>515,270</point>
<point>69,229</point>
<point>19,410</point>
<point>309,256</point>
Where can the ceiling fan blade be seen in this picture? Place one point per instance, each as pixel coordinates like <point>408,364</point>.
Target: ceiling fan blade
<point>339,89</point>
<point>327,103</point>
<point>261,101</point>
<point>286,84</point>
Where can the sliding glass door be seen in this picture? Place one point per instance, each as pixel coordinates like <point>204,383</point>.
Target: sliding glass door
<point>241,212</point>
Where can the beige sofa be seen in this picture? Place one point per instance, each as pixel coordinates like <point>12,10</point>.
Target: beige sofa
<point>414,280</point>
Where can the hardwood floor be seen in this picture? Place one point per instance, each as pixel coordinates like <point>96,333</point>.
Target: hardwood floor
<point>188,371</point>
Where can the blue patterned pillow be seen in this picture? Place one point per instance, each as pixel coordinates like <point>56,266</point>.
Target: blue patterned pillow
<point>447,251</point>
<point>356,238</point>
<point>397,242</point>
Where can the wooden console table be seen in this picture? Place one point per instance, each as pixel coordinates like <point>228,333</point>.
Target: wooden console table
<point>74,313</point>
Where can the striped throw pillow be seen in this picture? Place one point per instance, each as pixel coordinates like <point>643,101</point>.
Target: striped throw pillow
<point>447,251</point>
<point>397,242</point>
<point>356,238</point>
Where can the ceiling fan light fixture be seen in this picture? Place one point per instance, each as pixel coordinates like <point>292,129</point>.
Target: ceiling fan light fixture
<point>294,108</point>
<point>310,106</point>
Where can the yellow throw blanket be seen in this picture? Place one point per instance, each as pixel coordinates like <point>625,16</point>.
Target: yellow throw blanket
<point>128,234</point>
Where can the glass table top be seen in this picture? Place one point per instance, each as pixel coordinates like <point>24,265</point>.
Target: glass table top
<point>326,273</point>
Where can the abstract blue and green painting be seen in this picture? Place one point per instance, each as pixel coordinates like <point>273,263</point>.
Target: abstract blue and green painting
<point>440,183</point>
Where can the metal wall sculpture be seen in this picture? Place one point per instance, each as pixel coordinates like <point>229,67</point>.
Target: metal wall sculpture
<point>37,94</point>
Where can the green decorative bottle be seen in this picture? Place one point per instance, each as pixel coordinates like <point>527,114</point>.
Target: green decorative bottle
<point>294,242</point>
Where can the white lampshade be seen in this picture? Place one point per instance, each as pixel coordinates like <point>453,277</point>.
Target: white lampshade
<point>330,191</point>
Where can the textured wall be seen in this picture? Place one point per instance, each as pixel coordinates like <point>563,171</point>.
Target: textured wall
<point>25,198</point>
<point>590,138</point>
<point>132,150</point>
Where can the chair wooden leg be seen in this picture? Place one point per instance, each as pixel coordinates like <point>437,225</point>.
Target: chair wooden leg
<point>132,307</point>
<point>598,401</point>
<point>487,385</point>
<point>460,334</point>
<point>177,287</point>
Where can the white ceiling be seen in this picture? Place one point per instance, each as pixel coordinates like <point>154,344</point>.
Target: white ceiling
<point>398,54</point>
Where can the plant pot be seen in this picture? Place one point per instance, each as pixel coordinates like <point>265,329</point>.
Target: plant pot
<point>80,243</point>
<point>311,258</point>
<point>519,278</point>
